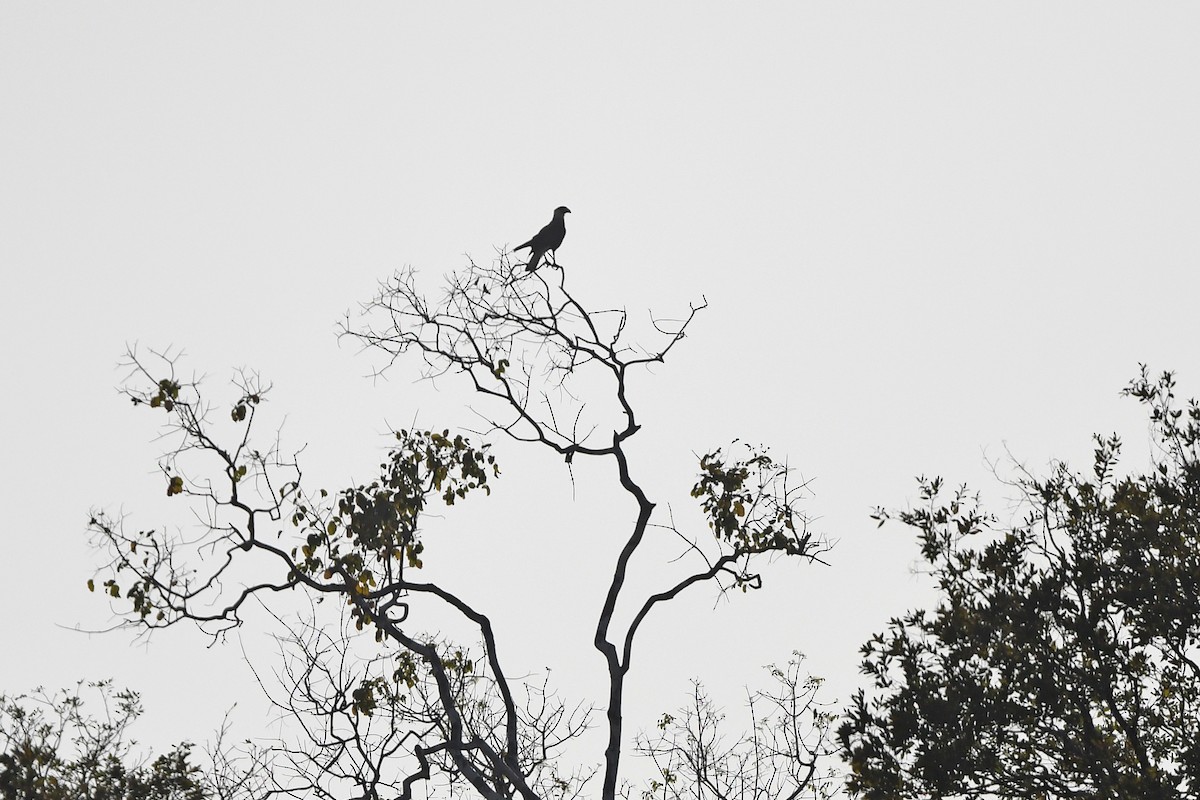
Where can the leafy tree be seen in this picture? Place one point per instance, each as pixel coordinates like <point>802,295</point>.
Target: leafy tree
<point>1063,659</point>
<point>384,705</point>
<point>51,748</point>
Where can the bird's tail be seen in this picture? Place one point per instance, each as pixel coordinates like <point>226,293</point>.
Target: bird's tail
<point>533,261</point>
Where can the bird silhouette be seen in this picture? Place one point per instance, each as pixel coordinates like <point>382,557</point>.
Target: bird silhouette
<point>547,240</point>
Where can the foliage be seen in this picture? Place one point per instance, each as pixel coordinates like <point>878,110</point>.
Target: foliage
<point>420,708</point>
<point>750,505</point>
<point>1063,659</point>
<point>52,749</point>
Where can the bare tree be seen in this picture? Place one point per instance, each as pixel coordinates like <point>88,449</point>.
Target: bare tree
<point>551,373</point>
<point>363,711</point>
<point>781,753</point>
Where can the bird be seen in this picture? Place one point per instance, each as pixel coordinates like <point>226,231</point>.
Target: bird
<point>547,240</point>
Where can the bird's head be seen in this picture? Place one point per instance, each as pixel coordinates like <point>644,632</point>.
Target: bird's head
<point>561,210</point>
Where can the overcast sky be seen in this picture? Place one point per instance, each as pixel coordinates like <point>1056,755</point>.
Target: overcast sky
<point>926,232</point>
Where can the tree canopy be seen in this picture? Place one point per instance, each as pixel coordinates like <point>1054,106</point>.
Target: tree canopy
<point>52,747</point>
<point>1063,658</point>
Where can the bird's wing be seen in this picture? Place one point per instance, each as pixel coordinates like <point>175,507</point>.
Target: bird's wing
<point>548,238</point>
<point>544,239</point>
<point>539,240</point>
<point>555,233</point>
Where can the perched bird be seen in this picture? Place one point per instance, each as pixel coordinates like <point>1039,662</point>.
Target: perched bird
<point>547,240</point>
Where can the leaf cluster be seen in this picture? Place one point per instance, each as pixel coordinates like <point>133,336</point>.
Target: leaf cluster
<point>371,533</point>
<point>749,505</point>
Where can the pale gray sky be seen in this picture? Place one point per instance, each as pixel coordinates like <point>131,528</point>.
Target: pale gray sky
<point>924,230</point>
